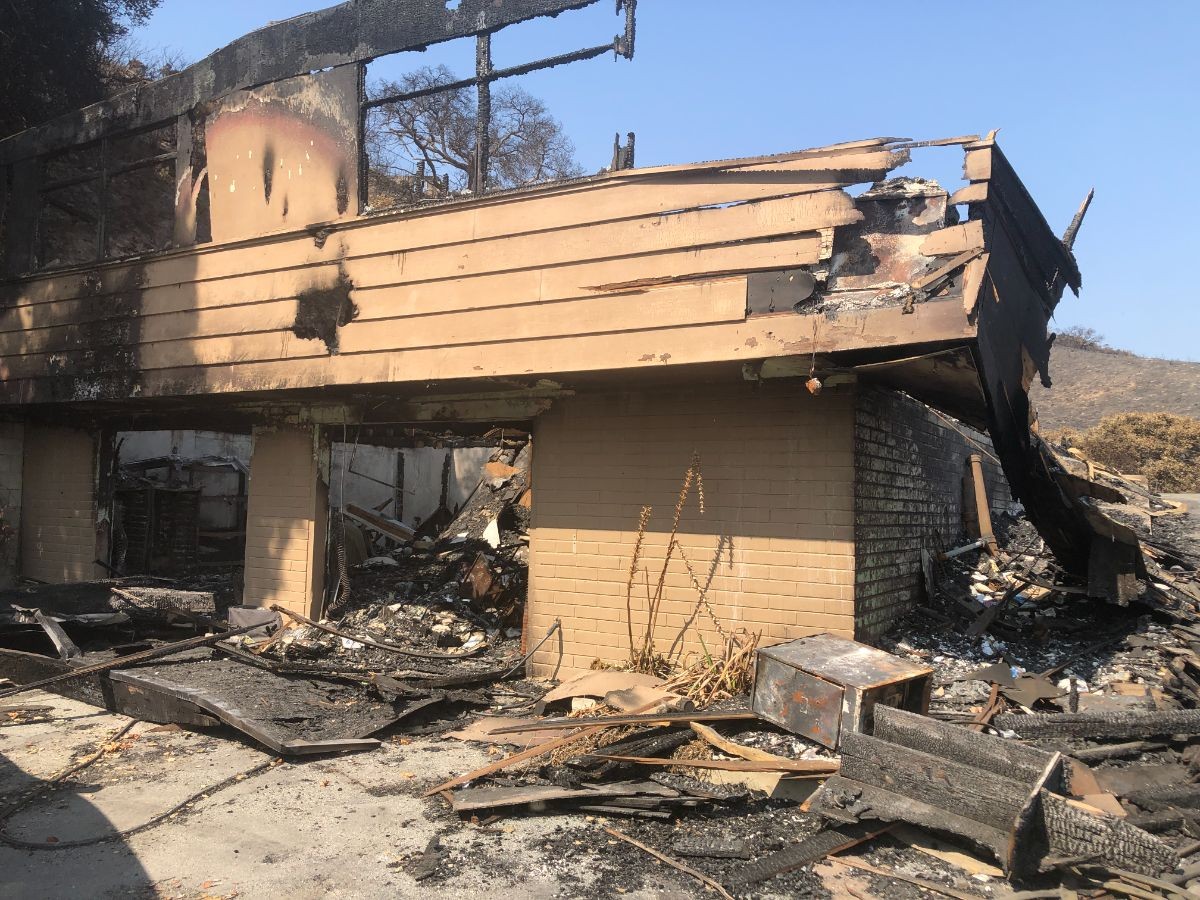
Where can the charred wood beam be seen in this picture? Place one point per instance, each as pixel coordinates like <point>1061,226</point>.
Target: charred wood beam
<point>488,75</point>
<point>62,643</point>
<point>1102,725</point>
<point>1113,751</point>
<point>1076,223</point>
<point>351,32</point>
<point>1008,759</point>
<point>808,851</point>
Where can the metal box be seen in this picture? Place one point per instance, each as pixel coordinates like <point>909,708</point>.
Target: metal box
<point>822,686</point>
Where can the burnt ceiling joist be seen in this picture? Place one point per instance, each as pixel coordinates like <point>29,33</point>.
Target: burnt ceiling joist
<point>352,32</point>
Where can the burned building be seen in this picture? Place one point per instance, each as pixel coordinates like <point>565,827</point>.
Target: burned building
<point>834,342</point>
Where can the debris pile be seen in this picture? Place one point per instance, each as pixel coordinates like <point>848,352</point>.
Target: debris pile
<point>1014,728</point>
<point>440,598</point>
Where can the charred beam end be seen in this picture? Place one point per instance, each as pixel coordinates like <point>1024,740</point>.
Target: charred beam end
<point>352,32</point>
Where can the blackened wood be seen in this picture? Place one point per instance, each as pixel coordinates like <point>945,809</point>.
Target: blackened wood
<point>953,742</point>
<point>641,719</point>
<point>62,643</point>
<point>1075,833</point>
<point>1114,751</point>
<point>22,668</point>
<point>1028,842</point>
<point>844,800</point>
<point>983,796</point>
<point>810,850</point>
<point>1179,796</point>
<point>137,702</point>
<point>1102,724</point>
<point>124,662</point>
<point>1162,821</point>
<point>474,799</point>
<point>351,32</point>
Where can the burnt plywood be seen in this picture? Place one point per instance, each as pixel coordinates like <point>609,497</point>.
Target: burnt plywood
<point>284,155</point>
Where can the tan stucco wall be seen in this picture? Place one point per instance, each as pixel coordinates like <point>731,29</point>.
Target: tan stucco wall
<point>778,485</point>
<point>285,522</point>
<point>58,505</point>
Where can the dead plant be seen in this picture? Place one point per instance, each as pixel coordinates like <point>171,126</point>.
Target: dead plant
<point>714,677</point>
<point>643,655</point>
<point>711,676</point>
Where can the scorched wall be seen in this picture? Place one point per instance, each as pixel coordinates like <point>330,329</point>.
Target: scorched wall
<point>910,463</point>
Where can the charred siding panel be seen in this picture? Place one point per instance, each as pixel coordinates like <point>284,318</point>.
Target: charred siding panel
<point>225,319</point>
<point>909,466</point>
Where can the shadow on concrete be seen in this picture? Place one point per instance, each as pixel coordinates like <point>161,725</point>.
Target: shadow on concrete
<point>54,817</point>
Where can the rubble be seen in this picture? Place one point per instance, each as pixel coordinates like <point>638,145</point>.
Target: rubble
<point>1022,692</point>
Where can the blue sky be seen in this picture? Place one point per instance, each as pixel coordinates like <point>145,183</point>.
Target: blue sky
<point>1085,93</point>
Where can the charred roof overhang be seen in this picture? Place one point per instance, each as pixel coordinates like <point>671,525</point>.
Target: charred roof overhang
<point>352,32</point>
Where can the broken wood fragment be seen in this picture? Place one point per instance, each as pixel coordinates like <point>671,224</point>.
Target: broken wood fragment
<point>1114,751</point>
<point>807,852</point>
<point>900,876</point>
<point>62,643</point>
<point>673,863</point>
<point>475,799</point>
<point>818,768</point>
<point>733,748</point>
<point>531,753</point>
<point>638,719</point>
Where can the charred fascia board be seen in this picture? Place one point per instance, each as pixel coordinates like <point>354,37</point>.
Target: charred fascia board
<point>352,32</point>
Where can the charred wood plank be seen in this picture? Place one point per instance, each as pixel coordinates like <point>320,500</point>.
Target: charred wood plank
<point>474,799</point>
<point>1009,759</point>
<point>849,801</point>
<point>62,643</point>
<point>983,796</point>
<point>810,850</point>
<point>1175,796</point>
<point>1162,821</point>
<point>1075,833</point>
<point>1113,751</point>
<point>638,719</point>
<point>1102,724</point>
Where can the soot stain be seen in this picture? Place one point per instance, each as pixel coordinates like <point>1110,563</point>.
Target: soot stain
<point>320,312</point>
<point>268,172</point>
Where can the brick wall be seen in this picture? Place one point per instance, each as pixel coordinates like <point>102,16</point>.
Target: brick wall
<point>778,521</point>
<point>285,522</point>
<point>12,449</point>
<point>910,463</point>
<point>58,505</point>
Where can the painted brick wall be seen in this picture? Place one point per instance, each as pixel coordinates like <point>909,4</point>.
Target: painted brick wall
<point>910,463</point>
<point>12,449</point>
<point>58,505</point>
<point>775,538</point>
<point>285,522</point>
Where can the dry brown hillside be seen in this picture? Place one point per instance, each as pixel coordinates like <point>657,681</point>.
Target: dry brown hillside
<point>1092,384</point>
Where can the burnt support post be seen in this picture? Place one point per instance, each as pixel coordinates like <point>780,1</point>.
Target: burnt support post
<point>483,120</point>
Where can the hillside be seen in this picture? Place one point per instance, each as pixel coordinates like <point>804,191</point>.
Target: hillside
<point>1092,384</point>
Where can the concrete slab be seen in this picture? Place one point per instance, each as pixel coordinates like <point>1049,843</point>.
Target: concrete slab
<point>334,827</point>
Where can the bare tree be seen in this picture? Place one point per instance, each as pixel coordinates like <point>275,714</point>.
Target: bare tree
<point>528,145</point>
